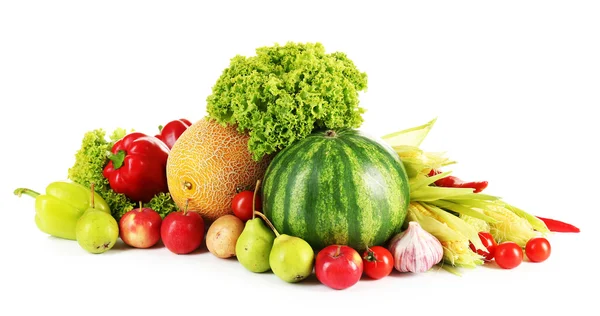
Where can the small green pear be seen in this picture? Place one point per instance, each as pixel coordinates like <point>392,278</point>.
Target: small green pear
<point>254,244</point>
<point>96,231</point>
<point>291,258</point>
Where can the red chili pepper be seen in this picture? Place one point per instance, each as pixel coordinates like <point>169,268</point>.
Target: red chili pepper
<point>138,167</point>
<point>454,182</point>
<point>558,226</point>
<point>172,130</point>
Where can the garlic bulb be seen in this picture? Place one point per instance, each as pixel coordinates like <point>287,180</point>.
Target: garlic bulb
<point>415,250</point>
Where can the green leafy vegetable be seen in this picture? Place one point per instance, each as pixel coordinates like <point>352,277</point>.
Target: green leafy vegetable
<point>90,160</point>
<point>163,204</point>
<point>285,92</point>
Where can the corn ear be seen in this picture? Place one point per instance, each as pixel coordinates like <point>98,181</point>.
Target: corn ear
<point>452,232</point>
<point>535,222</point>
<point>478,224</point>
<point>416,161</point>
<point>510,223</point>
<point>463,210</point>
<point>406,144</point>
<point>509,226</point>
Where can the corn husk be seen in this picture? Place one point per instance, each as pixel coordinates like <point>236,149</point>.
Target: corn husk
<point>453,233</point>
<point>456,215</point>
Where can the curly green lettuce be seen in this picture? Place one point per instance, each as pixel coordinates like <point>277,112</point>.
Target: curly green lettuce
<point>90,160</point>
<point>284,93</point>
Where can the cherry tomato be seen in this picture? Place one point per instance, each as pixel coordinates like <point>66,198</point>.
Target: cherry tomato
<point>538,249</point>
<point>242,205</point>
<point>378,262</point>
<point>508,255</point>
<point>490,244</point>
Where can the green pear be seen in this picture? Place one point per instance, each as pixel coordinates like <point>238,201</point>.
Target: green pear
<point>96,231</point>
<point>254,244</point>
<point>291,258</point>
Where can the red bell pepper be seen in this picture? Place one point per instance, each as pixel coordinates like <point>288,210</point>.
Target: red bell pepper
<point>138,167</point>
<point>172,130</point>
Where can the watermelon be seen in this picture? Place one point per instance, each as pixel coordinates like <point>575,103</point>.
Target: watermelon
<point>339,187</point>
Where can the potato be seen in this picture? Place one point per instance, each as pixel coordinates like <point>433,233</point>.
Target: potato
<point>222,235</point>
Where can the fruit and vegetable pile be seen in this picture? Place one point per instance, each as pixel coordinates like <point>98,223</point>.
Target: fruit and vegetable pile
<point>279,175</point>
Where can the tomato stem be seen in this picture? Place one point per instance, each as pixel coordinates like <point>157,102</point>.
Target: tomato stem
<point>370,255</point>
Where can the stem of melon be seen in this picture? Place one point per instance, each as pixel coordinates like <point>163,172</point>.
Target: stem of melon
<point>267,221</point>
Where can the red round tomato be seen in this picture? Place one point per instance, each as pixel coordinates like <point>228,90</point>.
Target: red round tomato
<point>242,205</point>
<point>508,255</point>
<point>378,262</point>
<point>538,249</point>
<point>490,244</point>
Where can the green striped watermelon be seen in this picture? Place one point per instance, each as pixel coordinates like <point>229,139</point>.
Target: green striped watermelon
<point>341,187</point>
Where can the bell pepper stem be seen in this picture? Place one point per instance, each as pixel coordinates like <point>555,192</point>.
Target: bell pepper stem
<point>117,159</point>
<point>20,191</point>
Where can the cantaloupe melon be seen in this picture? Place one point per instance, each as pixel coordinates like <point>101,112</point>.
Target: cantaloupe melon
<point>208,164</point>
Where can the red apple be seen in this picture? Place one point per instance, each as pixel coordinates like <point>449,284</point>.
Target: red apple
<point>183,231</point>
<point>140,228</point>
<point>338,266</point>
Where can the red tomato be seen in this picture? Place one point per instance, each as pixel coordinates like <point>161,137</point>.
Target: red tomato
<point>490,244</point>
<point>508,255</point>
<point>242,205</point>
<point>378,262</point>
<point>538,249</point>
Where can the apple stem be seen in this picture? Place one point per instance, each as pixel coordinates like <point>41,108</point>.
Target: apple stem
<point>185,210</point>
<point>268,222</point>
<point>92,199</point>
<point>337,252</point>
<point>254,197</point>
<point>140,206</point>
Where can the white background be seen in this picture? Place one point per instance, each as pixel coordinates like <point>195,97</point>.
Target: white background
<point>514,85</point>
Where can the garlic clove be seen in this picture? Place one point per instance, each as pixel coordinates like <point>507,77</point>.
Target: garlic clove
<point>415,250</point>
